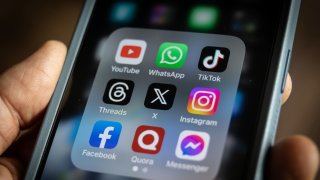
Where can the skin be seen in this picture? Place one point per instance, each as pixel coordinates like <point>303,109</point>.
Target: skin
<point>25,91</point>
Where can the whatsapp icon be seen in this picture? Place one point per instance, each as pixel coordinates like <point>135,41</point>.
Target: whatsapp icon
<point>171,55</point>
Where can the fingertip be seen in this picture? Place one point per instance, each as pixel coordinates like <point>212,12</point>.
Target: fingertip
<point>287,90</point>
<point>296,157</point>
<point>54,44</point>
<point>52,51</point>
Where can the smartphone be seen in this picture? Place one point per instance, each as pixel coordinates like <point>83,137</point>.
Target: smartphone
<point>168,90</point>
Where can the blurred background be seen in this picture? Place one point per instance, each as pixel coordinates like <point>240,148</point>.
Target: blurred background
<point>26,25</point>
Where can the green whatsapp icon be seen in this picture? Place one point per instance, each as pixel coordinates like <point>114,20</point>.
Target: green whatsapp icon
<point>171,55</point>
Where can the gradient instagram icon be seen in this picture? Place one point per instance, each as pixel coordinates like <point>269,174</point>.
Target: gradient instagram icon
<point>203,101</point>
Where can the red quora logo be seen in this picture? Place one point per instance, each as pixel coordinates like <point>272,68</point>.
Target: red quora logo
<point>148,139</point>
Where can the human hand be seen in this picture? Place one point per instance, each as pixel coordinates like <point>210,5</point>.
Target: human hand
<point>26,89</point>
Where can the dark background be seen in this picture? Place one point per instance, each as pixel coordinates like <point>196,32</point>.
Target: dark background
<point>26,25</point>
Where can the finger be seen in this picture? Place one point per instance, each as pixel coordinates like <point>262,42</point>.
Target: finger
<point>23,147</point>
<point>287,90</point>
<point>295,158</point>
<point>10,169</point>
<point>26,88</point>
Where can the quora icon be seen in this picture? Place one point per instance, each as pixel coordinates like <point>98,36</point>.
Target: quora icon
<point>148,139</point>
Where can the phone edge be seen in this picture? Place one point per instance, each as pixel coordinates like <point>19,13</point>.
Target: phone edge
<point>273,96</point>
<point>55,102</point>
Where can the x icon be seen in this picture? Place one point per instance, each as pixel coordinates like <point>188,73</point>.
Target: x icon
<point>160,96</point>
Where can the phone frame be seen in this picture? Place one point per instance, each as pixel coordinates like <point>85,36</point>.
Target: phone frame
<point>272,100</point>
<point>269,115</point>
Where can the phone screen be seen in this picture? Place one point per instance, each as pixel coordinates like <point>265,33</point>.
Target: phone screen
<point>165,90</point>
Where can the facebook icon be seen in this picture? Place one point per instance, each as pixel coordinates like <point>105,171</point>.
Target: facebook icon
<point>105,134</point>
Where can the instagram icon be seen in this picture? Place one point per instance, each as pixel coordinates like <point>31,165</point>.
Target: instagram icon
<point>203,101</point>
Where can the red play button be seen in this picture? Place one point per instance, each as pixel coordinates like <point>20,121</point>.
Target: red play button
<point>129,51</point>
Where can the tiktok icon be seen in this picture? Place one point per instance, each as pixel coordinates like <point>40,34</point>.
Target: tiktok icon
<point>214,59</point>
<point>105,134</point>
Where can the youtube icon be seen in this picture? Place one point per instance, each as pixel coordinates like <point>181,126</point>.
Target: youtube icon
<point>131,51</point>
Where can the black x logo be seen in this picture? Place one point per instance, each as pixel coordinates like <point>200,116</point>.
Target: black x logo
<point>160,96</point>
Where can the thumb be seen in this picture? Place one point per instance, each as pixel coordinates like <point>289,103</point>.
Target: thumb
<point>26,88</point>
<point>294,158</point>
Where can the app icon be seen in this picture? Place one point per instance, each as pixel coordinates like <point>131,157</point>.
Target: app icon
<point>192,145</point>
<point>148,139</point>
<point>160,96</point>
<point>214,59</point>
<point>171,55</point>
<point>123,12</point>
<point>161,15</point>
<point>203,101</point>
<point>203,18</point>
<point>131,51</point>
<point>105,134</point>
<point>118,92</point>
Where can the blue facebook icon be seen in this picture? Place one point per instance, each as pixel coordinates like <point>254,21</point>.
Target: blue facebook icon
<point>105,134</point>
